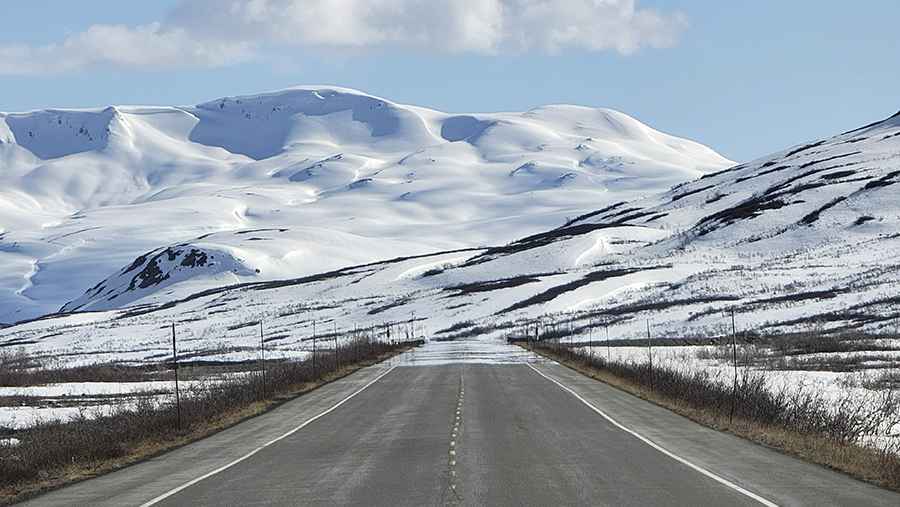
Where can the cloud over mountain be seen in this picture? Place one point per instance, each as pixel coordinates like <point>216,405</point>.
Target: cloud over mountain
<point>208,33</point>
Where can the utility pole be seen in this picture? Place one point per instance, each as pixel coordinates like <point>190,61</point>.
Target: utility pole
<point>556,335</point>
<point>262,356</point>
<point>650,353</point>
<point>556,332</point>
<point>608,351</point>
<point>337,362</point>
<point>314,345</point>
<point>175,367</point>
<point>892,374</point>
<point>734,362</point>
<point>591,341</point>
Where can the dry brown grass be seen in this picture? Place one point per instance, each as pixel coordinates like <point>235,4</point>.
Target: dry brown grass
<point>18,369</point>
<point>880,467</point>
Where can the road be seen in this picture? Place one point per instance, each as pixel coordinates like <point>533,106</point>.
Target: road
<point>470,424</point>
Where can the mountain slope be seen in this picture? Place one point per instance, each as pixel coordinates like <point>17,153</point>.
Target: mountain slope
<point>807,237</point>
<point>342,177</point>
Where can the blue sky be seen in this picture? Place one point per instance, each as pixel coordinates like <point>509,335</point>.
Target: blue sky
<point>746,78</point>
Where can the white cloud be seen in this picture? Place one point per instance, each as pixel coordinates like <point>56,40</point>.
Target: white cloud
<point>593,25</point>
<point>211,33</point>
<point>445,25</point>
<point>149,46</point>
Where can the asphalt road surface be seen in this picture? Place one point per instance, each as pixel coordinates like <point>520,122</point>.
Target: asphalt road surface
<point>470,424</point>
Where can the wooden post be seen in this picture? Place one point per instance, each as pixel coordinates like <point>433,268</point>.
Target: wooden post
<point>262,356</point>
<point>556,335</point>
<point>892,375</point>
<point>591,342</point>
<point>734,362</point>
<point>650,353</point>
<point>608,350</point>
<point>175,367</point>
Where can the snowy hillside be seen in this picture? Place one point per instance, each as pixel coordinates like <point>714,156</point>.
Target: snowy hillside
<point>808,237</point>
<point>294,183</point>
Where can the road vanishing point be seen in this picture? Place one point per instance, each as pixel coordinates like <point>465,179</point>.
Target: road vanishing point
<point>470,423</point>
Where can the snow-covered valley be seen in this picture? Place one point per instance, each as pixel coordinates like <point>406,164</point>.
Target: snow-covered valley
<point>455,222</point>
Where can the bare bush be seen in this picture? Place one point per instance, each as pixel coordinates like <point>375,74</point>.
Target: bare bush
<point>17,369</point>
<point>746,354</point>
<point>816,341</point>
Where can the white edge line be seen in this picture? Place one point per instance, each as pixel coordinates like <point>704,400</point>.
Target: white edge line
<point>267,444</point>
<point>652,444</point>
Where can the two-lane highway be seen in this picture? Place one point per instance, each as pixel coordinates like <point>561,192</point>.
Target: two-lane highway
<point>470,423</point>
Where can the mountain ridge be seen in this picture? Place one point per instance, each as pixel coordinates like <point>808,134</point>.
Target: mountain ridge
<point>806,238</point>
<point>352,177</point>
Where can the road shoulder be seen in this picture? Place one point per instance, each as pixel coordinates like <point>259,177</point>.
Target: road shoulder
<point>782,479</point>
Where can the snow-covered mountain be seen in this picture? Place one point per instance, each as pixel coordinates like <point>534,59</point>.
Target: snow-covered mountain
<point>807,237</point>
<point>108,207</point>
